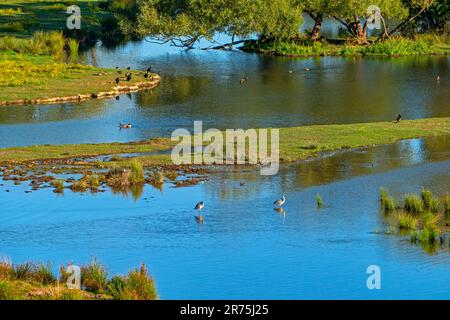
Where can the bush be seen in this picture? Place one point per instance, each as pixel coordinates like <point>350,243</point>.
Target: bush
<point>407,221</point>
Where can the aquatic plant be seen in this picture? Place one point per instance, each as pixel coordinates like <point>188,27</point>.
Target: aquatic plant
<point>413,204</point>
<point>388,204</point>
<point>156,178</point>
<point>319,201</point>
<point>43,274</point>
<point>430,227</point>
<point>137,172</point>
<point>6,291</point>
<point>94,277</point>
<point>426,196</point>
<point>171,174</point>
<point>58,185</point>
<point>79,186</point>
<point>73,46</point>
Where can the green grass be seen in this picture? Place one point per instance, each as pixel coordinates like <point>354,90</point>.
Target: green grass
<point>421,45</point>
<point>407,221</point>
<point>292,140</point>
<point>30,281</point>
<point>27,16</point>
<point>26,76</point>
<point>413,204</point>
<point>94,277</point>
<point>427,197</point>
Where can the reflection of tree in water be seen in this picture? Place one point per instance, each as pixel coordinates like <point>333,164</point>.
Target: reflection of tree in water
<point>174,90</point>
<point>56,112</point>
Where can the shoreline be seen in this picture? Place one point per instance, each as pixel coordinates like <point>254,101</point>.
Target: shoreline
<point>296,143</point>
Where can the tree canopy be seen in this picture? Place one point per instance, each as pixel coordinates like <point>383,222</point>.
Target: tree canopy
<point>186,22</point>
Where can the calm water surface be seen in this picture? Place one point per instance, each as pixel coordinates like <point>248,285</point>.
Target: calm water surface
<point>245,249</point>
<point>204,85</point>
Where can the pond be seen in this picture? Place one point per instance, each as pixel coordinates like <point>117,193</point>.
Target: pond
<point>245,249</point>
<point>204,85</point>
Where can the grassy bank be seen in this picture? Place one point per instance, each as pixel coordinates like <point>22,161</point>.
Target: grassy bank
<point>424,45</point>
<point>296,143</point>
<point>30,77</point>
<point>21,18</point>
<point>30,281</point>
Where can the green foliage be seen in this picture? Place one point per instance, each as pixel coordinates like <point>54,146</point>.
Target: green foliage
<point>6,291</point>
<point>137,285</point>
<point>413,204</point>
<point>319,201</point>
<point>189,21</point>
<point>407,221</point>
<point>94,277</point>
<point>137,172</point>
<point>426,196</point>
<point>388,204</point>
<point>79,186</point>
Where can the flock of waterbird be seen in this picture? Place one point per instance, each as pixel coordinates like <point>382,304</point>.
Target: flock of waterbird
<point>200,205</point>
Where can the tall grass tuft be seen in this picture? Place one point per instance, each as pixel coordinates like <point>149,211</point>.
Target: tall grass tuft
<point>58,185</point>
<point>407,221</point>
<point>43,274</point>
<point>434,205</point>
<point>319,201</point>
<point>383,195</point>
<point>413,204</point>
<point>388,205</point>
<point>79,186</point>
<point>73,46</point>
<point>137,172</point>
<point>446,203</point>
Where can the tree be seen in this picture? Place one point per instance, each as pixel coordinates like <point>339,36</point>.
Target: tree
<point>186,22</point>
<point>317,10</point>
<point>353,14</point>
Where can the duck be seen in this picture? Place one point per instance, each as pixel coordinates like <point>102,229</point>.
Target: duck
<point>125,125</point>
<point>244,79</point>
<point>398,118</point>
<point>128,76</point>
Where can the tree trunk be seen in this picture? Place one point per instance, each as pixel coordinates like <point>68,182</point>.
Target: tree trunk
<point>315,34</point>
<point>358,31</point>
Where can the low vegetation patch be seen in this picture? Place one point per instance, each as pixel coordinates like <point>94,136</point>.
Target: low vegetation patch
<point>422,217</point>
<point>30,281</point>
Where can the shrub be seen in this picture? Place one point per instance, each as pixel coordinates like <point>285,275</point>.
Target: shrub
<point>137,172</point>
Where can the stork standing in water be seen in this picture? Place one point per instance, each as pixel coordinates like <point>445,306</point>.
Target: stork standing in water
<point>199,206</point>
<point>280,202</point>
